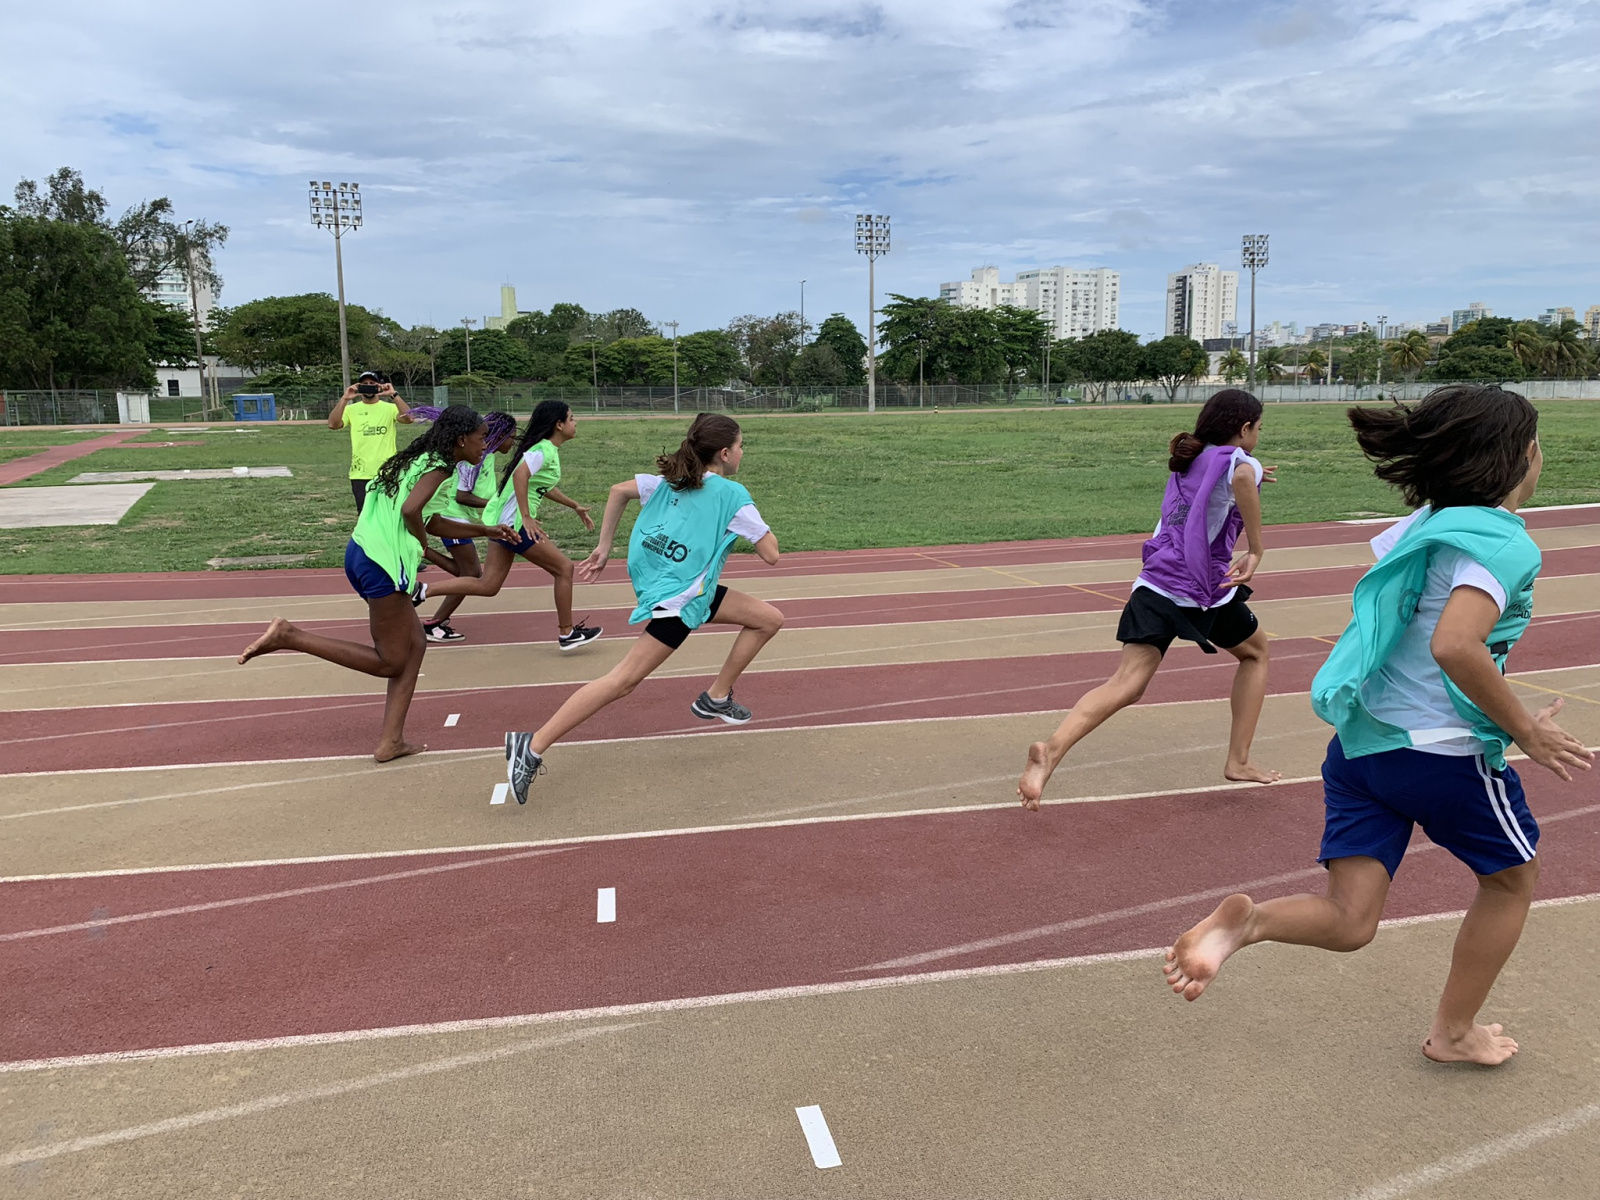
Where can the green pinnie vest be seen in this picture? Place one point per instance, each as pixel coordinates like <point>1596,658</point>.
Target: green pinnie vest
<point>1386,599</point>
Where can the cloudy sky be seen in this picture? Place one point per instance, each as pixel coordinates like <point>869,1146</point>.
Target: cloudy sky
<point>697,160</point>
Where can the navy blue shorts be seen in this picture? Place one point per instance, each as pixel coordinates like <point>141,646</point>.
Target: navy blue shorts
<point>1463,805</point>
<point>525,541</point>
<point>370,581</point>
<point>448,542</point>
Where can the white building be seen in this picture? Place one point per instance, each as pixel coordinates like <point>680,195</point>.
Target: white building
<point>1555,316</point>
<point>1591,322</point>
<point>1201,299</point>
<point>1073,302</point>
<point>172,289</point>
<point>1475,311</point>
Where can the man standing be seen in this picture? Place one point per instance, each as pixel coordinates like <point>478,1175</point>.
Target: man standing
<point>371,421</point>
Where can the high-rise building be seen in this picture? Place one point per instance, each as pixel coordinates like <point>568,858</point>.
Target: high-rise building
<point>508,309</point>
<point>1475,311</point>
<point>1074,303</point>
<point>1591,322</point>
<point>172,289</point>
<point>1555,316</point>
<point>1201,299</point>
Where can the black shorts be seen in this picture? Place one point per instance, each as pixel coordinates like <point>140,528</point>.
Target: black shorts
<point>1151,619</point>
<point>359,488</point>
<point>671,631</point>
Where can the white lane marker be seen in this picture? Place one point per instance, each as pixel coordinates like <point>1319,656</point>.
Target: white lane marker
<point>1482,1154</point>
<point>605,906</point>
<point>451,720</point>
<point>500,791</point>
<point>823,1152</point>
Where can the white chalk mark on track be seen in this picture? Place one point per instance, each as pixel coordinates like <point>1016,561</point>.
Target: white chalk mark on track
<point>819,1139</point>
<point>605,906</point>
<point>449,722</point>
<point>499,795</point>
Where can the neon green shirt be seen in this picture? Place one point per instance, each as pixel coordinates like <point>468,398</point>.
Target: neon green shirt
<point>372,430</point>
<point>484,487</point>
<point>544,472</point>
<point>381,530</point>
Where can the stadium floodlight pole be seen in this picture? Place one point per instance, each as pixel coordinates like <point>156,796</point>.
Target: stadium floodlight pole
<point>872,239</point>
<point>338,210</point>
<point>467,323</point>
<point>1383,321</point>
<point>802,314</point>
<point>1254,257</point>
<point>922,386</point>
<point>673,325</point>
<point>194,309</point>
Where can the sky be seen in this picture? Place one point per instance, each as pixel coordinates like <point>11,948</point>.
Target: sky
<point>698,160</point>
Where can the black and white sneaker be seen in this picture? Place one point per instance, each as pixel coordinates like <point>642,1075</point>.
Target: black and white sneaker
<point>523,766</point>
<point>581,635</point>
<point>726,709</point>
<point>419,594</point>
<point>440,631</point>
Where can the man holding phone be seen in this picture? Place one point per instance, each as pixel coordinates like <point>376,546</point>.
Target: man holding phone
<point>371,421</point>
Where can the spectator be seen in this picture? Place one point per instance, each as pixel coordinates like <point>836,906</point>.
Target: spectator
<point>371,421</point>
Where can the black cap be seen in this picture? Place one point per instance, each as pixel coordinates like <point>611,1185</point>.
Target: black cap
<point>367,375</point>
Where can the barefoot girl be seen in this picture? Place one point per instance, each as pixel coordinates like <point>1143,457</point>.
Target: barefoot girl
<point>388,544</point>
<point>472,492</point>
<point>532,475</point>
<point>1422,712</point>
<point>692,514</point>
<point>1188,590</point>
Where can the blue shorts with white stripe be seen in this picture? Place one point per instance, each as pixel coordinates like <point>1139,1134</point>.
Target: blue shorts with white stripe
<point>1475,812</point>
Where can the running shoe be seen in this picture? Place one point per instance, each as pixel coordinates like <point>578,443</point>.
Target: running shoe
<point>581,635</point>
<point>440,631</point>
<point>419,594</point>
<point>726,709</point>
<point>523,766</point>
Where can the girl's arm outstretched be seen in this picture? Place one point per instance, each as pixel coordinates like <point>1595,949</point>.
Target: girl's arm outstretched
<point>581,509</point>
<point>616,500</point>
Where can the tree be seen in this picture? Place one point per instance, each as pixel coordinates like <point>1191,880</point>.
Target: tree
<point>1361,356</point>
<point>819,366</point>
<point>1233,365</point>
<point>1316,363</point>
<point>1109,358</point>
<point>1478,364</point>
<point>769,346</point>
<point>546,337</point>
<point>173,342</point>
<point>494,352</point>
<point>1270,365</point>
<point>915,332</point>
<point>405,355</point>
<point>293,332</point>
<point>1408,355</point>
<point>839,334</point>
<point>1020,334</point>
<point>1526,341</point>
<point>709,358</point>
<point>1567,355</point>
<point>1173,360</point>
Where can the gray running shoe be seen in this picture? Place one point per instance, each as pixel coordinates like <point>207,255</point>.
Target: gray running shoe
<point>523,766</point>
<point>726,709</point>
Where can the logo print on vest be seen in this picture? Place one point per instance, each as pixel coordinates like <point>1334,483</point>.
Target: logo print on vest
<point>668,548</point>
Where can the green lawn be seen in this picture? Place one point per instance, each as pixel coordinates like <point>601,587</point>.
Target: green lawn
<point>828,482</point>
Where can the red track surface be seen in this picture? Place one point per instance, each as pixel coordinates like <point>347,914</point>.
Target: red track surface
<point>200,585</point>
<point>697,915</point>
<point>35,464</point>
<point>512,629</point>
<point>311,727</point>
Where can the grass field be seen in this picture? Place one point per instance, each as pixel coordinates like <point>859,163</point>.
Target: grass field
<point>822,482</point>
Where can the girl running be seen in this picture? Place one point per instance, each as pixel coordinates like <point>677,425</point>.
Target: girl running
<point>692,514</point>
<point>1422,713</point>
<point>531,476</point>
<point>473,491</point>
<point>381,561</point>
<point>1187,589</point>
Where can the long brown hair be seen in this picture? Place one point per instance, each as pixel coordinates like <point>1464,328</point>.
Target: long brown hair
<point>685,467</point>
<point>1464,444</point>
<point>1220,420</point>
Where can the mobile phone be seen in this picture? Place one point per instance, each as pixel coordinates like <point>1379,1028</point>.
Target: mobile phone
<point>367,389</point>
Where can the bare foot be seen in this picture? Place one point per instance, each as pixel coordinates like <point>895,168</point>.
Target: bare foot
<point>275,638</point>
<point>389,752</point>
<point>1034,776</point>
<point>1483,1044</point>
<point>1196,957</point>
<point>1248,772</point>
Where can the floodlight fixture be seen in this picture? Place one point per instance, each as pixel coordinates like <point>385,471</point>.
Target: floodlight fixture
<point>338,210</point>
<point>1253,257</point>
<point>673,325</point>
<point>872,239</point>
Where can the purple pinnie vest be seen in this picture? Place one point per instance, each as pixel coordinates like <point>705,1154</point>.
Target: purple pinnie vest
<point>1179,559</point>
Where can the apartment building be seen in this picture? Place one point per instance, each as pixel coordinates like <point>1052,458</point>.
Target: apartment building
<point>1201,299</point>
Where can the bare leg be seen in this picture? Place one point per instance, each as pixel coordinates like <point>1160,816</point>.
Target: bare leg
<point>642,658</point>
<point>1249,693</point>
<point>1486,939</point>
<point>1344,919</point>
<point>467,566</point>
<point>544,553</point>
<point>487,584</point>
<point>761,624</point>
<point>395,654</point>
<point>1133,675</point>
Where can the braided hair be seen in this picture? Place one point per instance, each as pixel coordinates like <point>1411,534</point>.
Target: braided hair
<point>439,442</point>
<point>547,414</point>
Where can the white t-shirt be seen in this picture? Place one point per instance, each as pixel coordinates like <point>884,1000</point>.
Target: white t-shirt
<point>1409,691</point>
<point>746,522</point>
<point>510,514</point>
<point>1218,505</point>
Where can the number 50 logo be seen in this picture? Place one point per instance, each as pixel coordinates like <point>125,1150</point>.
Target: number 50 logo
<point>676,551</point>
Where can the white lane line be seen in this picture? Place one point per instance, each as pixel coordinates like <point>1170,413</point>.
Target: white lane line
<point>818,1137</point>
<point>681,1004</point>
<point>605,906</point>
<point>450,721</point>
<point>500,791</point>
<point>1482,1154</point>
<point>323,1091</point>
<point>101,923</point>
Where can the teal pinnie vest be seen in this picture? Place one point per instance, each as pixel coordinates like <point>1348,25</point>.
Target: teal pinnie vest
<point>1386,599</point>
<point>680,541</point>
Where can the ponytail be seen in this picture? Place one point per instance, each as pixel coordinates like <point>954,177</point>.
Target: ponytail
<point>547,414</point>
<point>709,433</point>
<point>1220,421</point>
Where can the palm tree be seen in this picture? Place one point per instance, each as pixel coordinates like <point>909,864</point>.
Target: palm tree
<point>1316,363</point>
<point>1233,366</point>
<point>1526,341</point>
<point>1269,365</point>
<point>1565,353</point>
<point>1408,354</point>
